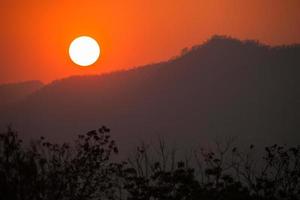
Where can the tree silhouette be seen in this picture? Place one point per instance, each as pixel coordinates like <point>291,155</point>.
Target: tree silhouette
<point>56,171</point>
<point>85,170</point>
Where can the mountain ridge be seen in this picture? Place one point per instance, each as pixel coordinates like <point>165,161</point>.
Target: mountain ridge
<point>185,51</point>
<point>224,87</point>
<point>11,93</point>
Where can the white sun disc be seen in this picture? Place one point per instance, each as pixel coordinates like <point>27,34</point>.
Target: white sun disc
<point>84,51</point>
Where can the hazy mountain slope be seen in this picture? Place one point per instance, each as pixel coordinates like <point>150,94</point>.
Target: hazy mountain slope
<point>15,92</point>
<point>222,88</point>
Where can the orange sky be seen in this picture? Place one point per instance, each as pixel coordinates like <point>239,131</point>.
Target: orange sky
<point>35,34</point>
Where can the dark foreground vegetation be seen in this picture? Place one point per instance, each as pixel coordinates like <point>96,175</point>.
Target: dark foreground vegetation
<point>88,169</point>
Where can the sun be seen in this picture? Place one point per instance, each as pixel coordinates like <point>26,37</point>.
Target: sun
<point>84,51</point>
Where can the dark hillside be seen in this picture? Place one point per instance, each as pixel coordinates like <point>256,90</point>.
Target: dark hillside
<point>222,88</point>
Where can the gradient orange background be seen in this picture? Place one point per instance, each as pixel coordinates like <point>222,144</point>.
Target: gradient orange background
<point>35,34</point>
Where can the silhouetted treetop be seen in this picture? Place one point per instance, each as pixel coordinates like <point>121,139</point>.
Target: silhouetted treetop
<point>85,169</point>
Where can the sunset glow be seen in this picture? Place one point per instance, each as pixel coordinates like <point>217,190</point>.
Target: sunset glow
<point>131,33</point>
<point>149,99</point>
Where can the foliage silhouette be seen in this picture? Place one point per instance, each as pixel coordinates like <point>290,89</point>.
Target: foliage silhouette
<point>86,169</point>
<point>54,171</point>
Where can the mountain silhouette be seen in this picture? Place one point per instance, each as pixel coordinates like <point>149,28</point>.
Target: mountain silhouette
<point>16,92</point>
<point>222,88</point>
